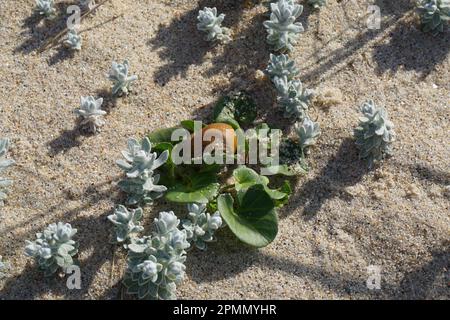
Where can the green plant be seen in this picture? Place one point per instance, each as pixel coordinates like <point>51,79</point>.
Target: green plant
<point>282,29</point>
<point>46,8</point>
<point>294,97</point>
<point>235,109</point>
<point>308,132</point>
<point>435,15</point>
<point>120,78</point>
<point>281,66</point>
<point>156,262</point>
<point>139,165</point>
<point>4,163</point>
<point>375,133</point>
<point>200,226</point>
<point>316,4</point>
<point>127,222</point>
<point>53,248</point>
<point>73,41</point>
<point>92,114</point>
<point>209,22</point>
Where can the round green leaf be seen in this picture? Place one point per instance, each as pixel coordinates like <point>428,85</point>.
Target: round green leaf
<point>257,232</point>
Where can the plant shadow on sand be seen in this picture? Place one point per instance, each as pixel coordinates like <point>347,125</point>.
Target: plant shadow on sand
<point>69,139</point>
<point>227,260</point>
<point>93,236</point>
<point>344,169</point>
<point>38,29</point>
<point>411,49</point>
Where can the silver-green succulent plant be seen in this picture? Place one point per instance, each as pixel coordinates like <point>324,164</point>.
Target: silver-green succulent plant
<point>4,163</point>
<point>375,134</point>
<point>200,226</point>
<point>156,262</point>
<point>294,97</point>
<point>210,22</point>
<point>73,41</point>
<point>53,248</point>
<point>280,66</point>
<point>308,132</point>
<point>139,165</point>
<point>435,15</point>
<point>282,29</point>
<point>316,4</point>
<point>4,268</point>
<point>127,223</point>
<point>120,78</point>
<point>46,8</point>
<point>91,113</point>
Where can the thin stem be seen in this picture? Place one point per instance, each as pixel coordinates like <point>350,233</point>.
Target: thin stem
<point>58,36</point>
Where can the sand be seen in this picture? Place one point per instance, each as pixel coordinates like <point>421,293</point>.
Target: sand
<point>341,219</point>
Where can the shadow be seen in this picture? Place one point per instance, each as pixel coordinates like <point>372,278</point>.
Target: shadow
<point>227,257</point>
<point>67,139</point>
<point>62,53</point>
<point>93,235</point>
<point>37,29</point>
<point>426,173</point>
<point>411,49</point>
<point>430,281</point>
<point>344,169</point>
<point>320,64</point>
<point>109,100</point>
<point>182,45</point>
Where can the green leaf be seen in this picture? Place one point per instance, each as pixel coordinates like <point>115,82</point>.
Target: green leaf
<point>245,110</point>
<point>246,178</point>
<point>255,203</point>
<point>202,188</point>
<point>286,189</point>
<point>188,125</point>
<point>224,112</point>
<point>163,135</point>
<point>257,232</point>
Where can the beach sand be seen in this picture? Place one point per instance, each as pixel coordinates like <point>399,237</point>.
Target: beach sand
<point>341,218</point>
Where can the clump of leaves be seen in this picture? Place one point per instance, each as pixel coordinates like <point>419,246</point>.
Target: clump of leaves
<point>209,22</point>
<point>53,248</point>
<point>435,15</point>
<point>200,226</point>
<point>4,268</point>
<point>46,8</point>
<point>139,165</point>
<point>4,163</point>
<point>282,29</point>
<point>120,78</point>
<point>375,134</point>
<point>236,109</point>
<point>73,41</point>
<point>281,66</point>
<point>91,113</point>
<point>294,97</point>
<point>127,223</point>
<point>156,262</point>
<point>308,132</point>
<point>316,4</point>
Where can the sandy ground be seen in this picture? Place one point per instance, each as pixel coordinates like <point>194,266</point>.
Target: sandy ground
<point>341,218</point>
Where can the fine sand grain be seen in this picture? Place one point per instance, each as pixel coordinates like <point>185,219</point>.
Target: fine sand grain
<point>341,218</point>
